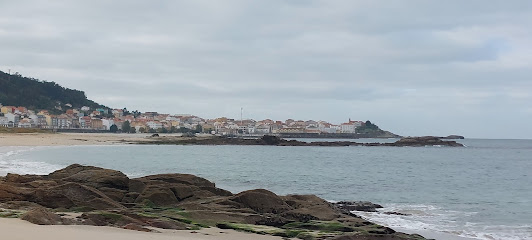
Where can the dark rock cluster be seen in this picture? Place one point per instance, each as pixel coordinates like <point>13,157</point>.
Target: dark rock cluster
<point>102,197</point>
<point>276,141</point>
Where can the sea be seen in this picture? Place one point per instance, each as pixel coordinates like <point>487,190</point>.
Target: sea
<point>481,191</point>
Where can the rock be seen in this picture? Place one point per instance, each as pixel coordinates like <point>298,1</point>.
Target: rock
<point>175,201</point>
<point>187,179</point>
<point>182,191</point>
<point>16,178</point>
<point>167,224</point>
<point>273,220</point>
<point>136,185</point>
<point>74,195</point>
<point>453,137</point>
<point>261,201</point>
<point>92,176</point>
<point>113,193</point>
<point>42,216</point>
<point>158,194</point>
<point>109,219</point>
<point>424,141</point>
<point>136,227</point>
<point>130,197</point>
<point>271,140</point>
<point>397,213</point>
<point>8,192</point>
<point>357,206</point>
<point>217,191</point>
<point>20,205</point>
<point>310,207</point>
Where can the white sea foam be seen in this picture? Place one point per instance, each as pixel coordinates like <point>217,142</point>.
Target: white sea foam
<point>429,218</point>
<point>12,161</point>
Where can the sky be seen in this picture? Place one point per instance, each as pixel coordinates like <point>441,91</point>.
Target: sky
<point>412,67</point>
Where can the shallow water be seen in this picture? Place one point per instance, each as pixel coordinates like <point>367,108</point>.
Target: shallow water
<point>482,191</point>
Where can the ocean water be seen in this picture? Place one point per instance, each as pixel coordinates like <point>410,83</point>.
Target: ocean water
<point>482,191</point>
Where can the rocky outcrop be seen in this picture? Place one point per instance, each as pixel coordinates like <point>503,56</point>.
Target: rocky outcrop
<point>42,216</point>
<point>105,197</point>
<point>357,206</point>
<point>261,201</point>
<point>453,137</point>
<point>425,141</point>
<point>276,141</point>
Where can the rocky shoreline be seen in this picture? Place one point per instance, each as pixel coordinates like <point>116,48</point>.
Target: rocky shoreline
<point>276,141</point>
<point>85,195</point>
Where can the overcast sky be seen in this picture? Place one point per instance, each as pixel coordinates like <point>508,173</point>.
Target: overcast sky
<point>413,67</point>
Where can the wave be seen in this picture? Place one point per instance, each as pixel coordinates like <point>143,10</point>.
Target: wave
<point>12,161</point>
<point>430,218</point>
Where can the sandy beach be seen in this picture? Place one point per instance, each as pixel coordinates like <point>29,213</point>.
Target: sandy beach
<point>16,229</point>
<point>68,139</point>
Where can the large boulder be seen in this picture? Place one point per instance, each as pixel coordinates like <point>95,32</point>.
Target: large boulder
<point>424,141</point>
<point>42,216</point>
<point>187,179</point>
<point>92,176</point>
<point>74,195</point>
<point>16,178</point>
<point>363,206</point>
<point>261,201</point>
<point>169,189</point>
<point>157,194</point>
<point>9,192</point>
<point>310,207</point>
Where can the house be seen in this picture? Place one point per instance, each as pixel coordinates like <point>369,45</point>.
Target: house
<point>102,111</point>
<point>117,112</point>
<point>21,110</point>
<point>107,123</point>
<point>25,123</point>
<point>291,130</point>
<point>97,123</point>
<point>7,109</point>
<point>4,122</point>
<point>60,122</point>
<point>13,118</point>
<point>85,122</point>
<point>41,121</point>
<point>263,129</point>
<point>154,125</point>
<point>350,127</point>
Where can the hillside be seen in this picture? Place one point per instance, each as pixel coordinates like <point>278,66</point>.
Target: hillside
<point>32,93</point>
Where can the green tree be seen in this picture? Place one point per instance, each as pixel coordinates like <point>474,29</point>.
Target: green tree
<point>199,128</point>
<point>173,129</point>
<point>126,127</point>
<point>142,129</point>
<point>133,130</point>
<point>113,128</point>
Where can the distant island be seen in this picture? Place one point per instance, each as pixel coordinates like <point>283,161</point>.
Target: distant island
<point>29,103</point>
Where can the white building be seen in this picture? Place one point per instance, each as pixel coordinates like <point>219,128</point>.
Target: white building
<point>350,127</point>
<point>4,122</point>
<point>107,123</point>
<point>154,125</point>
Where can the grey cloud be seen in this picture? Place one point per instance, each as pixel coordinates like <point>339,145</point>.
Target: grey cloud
<point>395,63</point>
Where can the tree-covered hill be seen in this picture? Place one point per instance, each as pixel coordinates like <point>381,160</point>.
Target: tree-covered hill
<point>16,90</point>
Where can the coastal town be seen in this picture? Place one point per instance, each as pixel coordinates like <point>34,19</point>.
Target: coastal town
<point>122,120</point>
